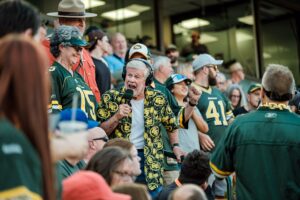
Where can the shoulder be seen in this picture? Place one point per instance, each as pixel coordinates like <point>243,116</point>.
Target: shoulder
<point>111,94</point>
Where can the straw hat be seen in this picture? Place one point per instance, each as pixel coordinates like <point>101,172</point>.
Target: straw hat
<point>71,9</point>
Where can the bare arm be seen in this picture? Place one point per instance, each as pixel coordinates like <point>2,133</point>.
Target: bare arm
<point>109,125</point>
<point>194,96</point>
<point>200,123</point>
<point>173,137</point>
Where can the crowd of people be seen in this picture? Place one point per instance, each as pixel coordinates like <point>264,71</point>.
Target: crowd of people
<point>85,117</point>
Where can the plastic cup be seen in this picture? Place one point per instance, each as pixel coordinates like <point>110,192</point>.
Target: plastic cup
<point>66,127</point>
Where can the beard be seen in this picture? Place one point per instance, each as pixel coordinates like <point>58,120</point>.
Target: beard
<point>212,81</point>
<point>173,59</point>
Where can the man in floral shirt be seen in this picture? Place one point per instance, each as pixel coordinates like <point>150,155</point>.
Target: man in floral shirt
<point>138,121</point>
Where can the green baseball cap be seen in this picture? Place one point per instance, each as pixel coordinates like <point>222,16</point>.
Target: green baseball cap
<point>76,41</point>
<point>254,87</point>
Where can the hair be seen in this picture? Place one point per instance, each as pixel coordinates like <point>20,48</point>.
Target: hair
<point>16,16</point>
<point>230,90</point>
<point>119,142</point>
<point>189,192</point>
<point>106,161</point>
<point>24,83</point>
<point>136,191</point>
<point>160,61</point>
<point>195,168</point>
<point>138,64</point>
<point>60,37</point>
<point>279,81</point>
<point>93,34</point>
<point>220,75</point>
<point>184,67</point>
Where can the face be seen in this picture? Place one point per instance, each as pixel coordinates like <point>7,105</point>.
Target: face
<point>254,98</point>
<point>105,45</point>
<point>136,166</point>
<point>77,22</point>
<point>221,84</point>
<point>97,138</point>
<point>119,44</point>
<point>135,80</point>
<point>70,55</point>
<point>166,70</point>
<point>241,74</point>
<point>235,97</point>
<point>212,75</point>
<point>123,173</point>
<point>180,89</point>
<point>173,55</point>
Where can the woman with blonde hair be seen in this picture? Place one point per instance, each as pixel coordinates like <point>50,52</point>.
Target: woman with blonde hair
<point>26,167</point>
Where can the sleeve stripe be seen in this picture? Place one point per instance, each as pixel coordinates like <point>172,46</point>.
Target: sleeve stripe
<point>219,172</point>
<point>181,118</point>
<point>19,192</point>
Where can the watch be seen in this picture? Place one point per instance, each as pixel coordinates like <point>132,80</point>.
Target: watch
<point>175,145</point>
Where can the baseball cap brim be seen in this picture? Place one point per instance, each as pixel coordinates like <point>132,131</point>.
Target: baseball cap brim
<point>254,87</point>
<point>86,15</point>
<point>78,42</point>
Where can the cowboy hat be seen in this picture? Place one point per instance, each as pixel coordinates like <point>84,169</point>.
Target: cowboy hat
<point>71,9</point>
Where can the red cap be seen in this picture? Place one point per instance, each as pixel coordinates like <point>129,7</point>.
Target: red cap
<point>88,185</point>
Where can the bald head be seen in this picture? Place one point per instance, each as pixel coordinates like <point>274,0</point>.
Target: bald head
<point>189,192</point>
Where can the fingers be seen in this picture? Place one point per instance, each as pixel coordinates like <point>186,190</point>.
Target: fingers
<point>124,110</point>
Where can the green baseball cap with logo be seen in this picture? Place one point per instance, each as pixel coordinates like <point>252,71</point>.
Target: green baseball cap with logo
<point>254,87</point>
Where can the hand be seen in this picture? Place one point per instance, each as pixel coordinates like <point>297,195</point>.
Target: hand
<point>206,142</point>
<point>194,95</point>
<point>124,111</point>
<point>178,153</point>
<point>72,145</point>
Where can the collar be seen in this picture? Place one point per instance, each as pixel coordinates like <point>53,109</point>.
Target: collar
<point>277,106</point>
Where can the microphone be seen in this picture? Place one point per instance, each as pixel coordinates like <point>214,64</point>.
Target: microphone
<point>128,96</point>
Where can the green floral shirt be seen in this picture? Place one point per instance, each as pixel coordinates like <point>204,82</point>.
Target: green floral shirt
<point>156,111</point>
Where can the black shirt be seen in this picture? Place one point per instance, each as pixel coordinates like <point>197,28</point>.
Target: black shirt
<point>103,76</point>
<point>239,111</point>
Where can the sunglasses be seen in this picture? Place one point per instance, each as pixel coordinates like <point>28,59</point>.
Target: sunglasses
<point>104,139</point>
<point>77,48</point>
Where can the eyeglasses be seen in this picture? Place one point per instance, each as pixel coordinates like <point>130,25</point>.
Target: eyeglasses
<point>77,48</point>
<point>105,139</point>
<point>235,96</point>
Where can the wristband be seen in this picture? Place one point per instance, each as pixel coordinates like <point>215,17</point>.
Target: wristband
<point>191,104</point>
<point>175,145</point>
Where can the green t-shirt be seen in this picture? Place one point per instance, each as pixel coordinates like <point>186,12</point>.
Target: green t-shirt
<point>65,169</point>
<point>215,109</point>
<point>263,148</point>
<point>20,165</point>
<point>64,86</point>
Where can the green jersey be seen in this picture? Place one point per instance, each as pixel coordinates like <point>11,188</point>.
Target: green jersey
<point>263,148</point>
<point>216,111</point>
<point>66,169</point>
<point>65,86</point>
<point>21,170</point>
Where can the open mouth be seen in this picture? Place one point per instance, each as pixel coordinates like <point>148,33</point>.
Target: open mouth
<point>131,86</point>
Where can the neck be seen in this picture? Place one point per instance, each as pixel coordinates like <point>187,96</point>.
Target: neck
<point>97,53</point>
<point>120,54</point>
<point>160,78</point>
<point>72,161</point>
<point>202,81</point>
<point>180,100</point>
<point>66,65</point>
